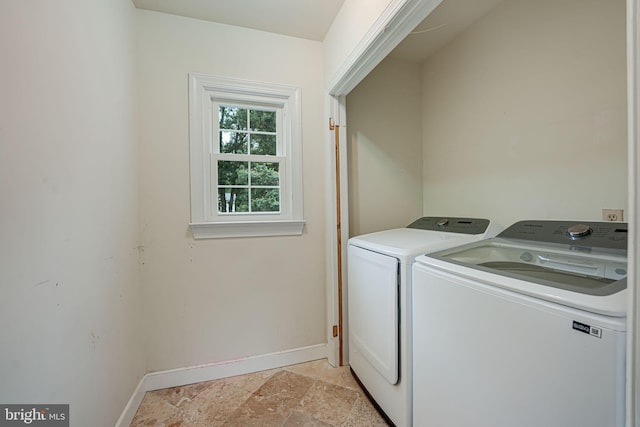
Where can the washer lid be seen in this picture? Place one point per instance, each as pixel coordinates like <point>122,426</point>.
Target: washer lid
<point>425,235</point>
<point>590,280</point>
<point>407,243</point>
<point>592,285</point>
<point>599,274</point>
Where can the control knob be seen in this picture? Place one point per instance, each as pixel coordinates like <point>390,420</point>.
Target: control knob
<point>579,230</point>
<point>443,222</point>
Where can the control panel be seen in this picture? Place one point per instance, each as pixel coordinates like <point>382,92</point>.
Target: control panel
<point>451,224</point>
<point>609,235</point>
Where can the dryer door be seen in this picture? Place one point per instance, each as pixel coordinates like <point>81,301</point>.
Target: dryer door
<point>373,309</point>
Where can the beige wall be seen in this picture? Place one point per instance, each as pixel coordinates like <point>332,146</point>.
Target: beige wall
<point>69,287</point>
<point>524,114</point>
<point>385,148</point>
<point>215,300</point>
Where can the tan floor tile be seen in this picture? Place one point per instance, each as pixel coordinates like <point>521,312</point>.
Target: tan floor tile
<point>328,402</point>
<point>157,412</point>
<point>340,376</point>
<point>322,370</point>
<point>213,406</point>
<point>312,394</point>
<point>311,369</point>
<point>251,382</point>
<point>364,414</point>
<point>177,395</point>
<point>272,403</point>
<point>249,417</point>
<point>299,419</point>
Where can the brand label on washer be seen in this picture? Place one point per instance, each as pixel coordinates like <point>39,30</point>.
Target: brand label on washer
<point>587,329</point>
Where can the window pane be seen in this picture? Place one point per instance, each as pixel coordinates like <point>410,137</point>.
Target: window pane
<point>232,199</point>
<point>263,144</point>
<point>265,173</point>
<point>265,200</point>
<point>233,173</point>
<point>263,121</point>
<point>233,142</point>
<point>233,118</point>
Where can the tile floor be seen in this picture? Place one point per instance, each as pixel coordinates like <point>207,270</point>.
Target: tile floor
<point>309,394</point>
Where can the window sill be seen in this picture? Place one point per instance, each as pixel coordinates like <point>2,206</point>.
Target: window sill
<point>221,230</point>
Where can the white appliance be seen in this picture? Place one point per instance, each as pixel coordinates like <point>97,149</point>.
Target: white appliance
<point>379,302</point>
<point>526,329</point>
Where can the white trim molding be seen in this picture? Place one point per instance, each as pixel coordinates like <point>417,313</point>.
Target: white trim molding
<point>217,230</point>
<point>396,22</point>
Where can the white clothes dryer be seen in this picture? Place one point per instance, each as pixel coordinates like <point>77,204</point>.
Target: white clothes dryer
<point>525,329</point>
<point>379,303</point>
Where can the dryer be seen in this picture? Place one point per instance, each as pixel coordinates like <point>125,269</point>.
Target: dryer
<point>525,329</point>
<point>379,303</point>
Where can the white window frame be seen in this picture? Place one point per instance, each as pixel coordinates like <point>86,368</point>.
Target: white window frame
<point>205,93</point>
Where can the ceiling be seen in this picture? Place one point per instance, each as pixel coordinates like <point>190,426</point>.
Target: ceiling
<point>307,19</point>
<point>449,19</point>
<point>311,19</point>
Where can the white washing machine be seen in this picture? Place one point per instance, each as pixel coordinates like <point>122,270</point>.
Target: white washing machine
<point>379,303</point>
<point>526,329</point>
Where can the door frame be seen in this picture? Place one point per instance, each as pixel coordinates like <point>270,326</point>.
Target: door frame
<point>395,23</point>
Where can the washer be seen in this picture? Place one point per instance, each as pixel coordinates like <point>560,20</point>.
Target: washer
<point>379,295</point>
<point>526,329</point>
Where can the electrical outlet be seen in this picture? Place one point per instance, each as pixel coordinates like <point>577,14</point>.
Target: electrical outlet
<point>612,214</point>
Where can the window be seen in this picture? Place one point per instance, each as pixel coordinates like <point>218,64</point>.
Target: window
<point>246,176</point>
<point>247,160</point>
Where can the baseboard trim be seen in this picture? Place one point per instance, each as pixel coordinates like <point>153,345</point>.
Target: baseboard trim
<point>213,371</point>
<point>132,405</point>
